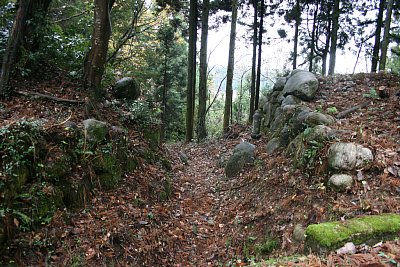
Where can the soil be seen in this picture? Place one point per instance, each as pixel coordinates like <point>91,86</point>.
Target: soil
<point>210,220</point>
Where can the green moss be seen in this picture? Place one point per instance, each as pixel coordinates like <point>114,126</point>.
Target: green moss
<point>266,247</point>
<point>131,164</point>
<point>58,167</point>
<point>152,136</point>
<point>110,180</point>
<point>332,235</point>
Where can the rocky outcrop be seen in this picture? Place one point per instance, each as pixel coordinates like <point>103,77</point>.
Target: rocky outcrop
<point>44,170</point>
<point>290,124</point>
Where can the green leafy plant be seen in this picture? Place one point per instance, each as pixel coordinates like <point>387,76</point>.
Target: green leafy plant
<point>310,156</point>
<point>332,110</point>
<point>267,246</point>
<point>372,94</point>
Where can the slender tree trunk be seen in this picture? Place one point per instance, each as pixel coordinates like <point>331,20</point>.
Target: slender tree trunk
<point>191,80</point>
<point>296,33</point>
<point>260,41</point>
<point>231,61</point>
<point>201,126</point>
<point>314,28</point>
<point>386,35</point>
<point>334,35</point>
<point>379,24</point>
<point>326,50</point>
<point>164,95</point>
<point>30,14</point>
<point>96,58</point>
<point>253,63</point>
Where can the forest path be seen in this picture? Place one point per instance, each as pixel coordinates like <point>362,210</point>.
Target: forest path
<point>201,210</point>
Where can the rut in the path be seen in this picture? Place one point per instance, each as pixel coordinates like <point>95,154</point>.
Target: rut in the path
<point>199,224</point>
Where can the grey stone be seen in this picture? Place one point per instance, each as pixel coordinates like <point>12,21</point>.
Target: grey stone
<point>236,163</point>
<point>243,153</point>
<point>95,131</point>
<point>267,109</point>
<point>348,248</point>
<point>293,72</point>
<point>279,84</point>
<point>290,100</point>
<point>320,133</point>
<point>349,156</point>
<point>262,101</point>
<point>340,182</point>
<point>317,118</point>
<point>272,145</point>
<point>184,158</point>
<point>247,148</point>
<point>302,84</point>
<point>299,233</point>
<point>126,88</point>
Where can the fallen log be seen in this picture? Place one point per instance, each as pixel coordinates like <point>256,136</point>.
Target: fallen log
<point>53,98</point>
<point>348,111</point>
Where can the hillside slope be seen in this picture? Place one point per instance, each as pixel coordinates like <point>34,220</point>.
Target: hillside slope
<point>210,220</point>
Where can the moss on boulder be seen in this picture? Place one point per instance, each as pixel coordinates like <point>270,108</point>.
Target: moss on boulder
<point>328,236</point>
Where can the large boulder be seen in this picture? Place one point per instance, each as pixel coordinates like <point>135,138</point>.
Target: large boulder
<point>126,88</point>
<point>243,153</point>
<point>302,84</point>
<point>349,156</point>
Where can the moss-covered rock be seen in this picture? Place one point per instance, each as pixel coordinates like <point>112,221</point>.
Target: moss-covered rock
<point>95,131</point>
<point>108,169</point>
<point>236,163</point>
<point>328,236</point>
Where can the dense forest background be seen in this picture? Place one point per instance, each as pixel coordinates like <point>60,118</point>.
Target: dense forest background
<point>163,46</point>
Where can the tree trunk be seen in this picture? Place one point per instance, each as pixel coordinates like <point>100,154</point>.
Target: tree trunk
<point>253,63</point>
<point>379,24</point>
<point>191,79</point>
<point>96,58</point>
<point>296,33</point>
<point>231,61</point>
<point>326,50</point>
<point>386,35</point>
<point>30,13</point>
<point>314,28</point>
<point>201,126</point>
<point>334,35</point>
<point>164,95</point>
<point>258,82</point>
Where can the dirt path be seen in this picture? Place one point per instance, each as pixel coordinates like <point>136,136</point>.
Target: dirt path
<point>199,223</point>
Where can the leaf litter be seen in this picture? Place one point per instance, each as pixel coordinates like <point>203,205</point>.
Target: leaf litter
<point>213,221</point>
